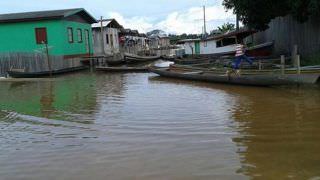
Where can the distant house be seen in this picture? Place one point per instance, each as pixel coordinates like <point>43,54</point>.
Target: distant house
<point>158,41</point>
<point>67,32</point>
<point>132,38</point>
<point>215,45</point>
<point>106,42</point>
<point>132,41</point>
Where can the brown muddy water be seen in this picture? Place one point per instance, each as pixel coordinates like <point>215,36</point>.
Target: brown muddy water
<point>140,126</point>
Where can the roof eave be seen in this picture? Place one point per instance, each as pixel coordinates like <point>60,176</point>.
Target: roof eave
<point>30,19</point>
<point>92,19</point>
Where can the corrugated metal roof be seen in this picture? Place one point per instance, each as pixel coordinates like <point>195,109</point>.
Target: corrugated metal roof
<point>107,23</point>
<point>98,24</point>
<point>242,33</point>
<point>188,40</point>
<point>44,15</point>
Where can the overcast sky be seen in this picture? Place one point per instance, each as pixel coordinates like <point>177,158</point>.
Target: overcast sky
<point>172,16</point>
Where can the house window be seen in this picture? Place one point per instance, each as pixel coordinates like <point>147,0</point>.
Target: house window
<point>107,39</point>
<point>205,43</point>
<point>41,35</point>
<point>226,42</point>
<point>229,41</point>
<point>219,43</point>
<point>79,31</point>
<point>87,40</point>
<point>70,35</point>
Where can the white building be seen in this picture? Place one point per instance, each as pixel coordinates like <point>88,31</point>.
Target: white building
<point>217,45</point>
<point>106,37</point>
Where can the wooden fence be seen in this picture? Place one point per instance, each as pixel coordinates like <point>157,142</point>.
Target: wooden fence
<point>286,32</point>
<point>34,62</point>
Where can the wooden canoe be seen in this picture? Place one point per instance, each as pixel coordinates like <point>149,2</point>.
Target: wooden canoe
<point>253,79</point>
<point>115,62</point>
<point>122,69</point>
<point>132,58</point>
<point>19,74</point>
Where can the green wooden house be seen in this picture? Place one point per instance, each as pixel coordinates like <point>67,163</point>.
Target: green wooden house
<point>66,32</point>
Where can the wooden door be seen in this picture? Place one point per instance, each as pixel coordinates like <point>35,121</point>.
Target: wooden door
<point>197,47</point>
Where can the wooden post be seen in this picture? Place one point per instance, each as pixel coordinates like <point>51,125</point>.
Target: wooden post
<point>298,64</point>
<point>260,65</point>
<point>91,64</point>
<point>294,55</point>
<point>283,63</point>
<point>48,58</point>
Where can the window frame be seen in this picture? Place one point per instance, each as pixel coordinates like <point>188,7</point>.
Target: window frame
<point>80,40</point>
<point>37,35</point>
<point>70,29</point>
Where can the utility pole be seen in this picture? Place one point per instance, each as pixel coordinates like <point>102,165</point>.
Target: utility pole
<point>204,21</point>
<point>48,57</point>
<point>237,22</point>
<point>102,35</point>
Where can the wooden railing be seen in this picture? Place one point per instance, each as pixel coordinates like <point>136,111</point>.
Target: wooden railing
<point>34,62</point>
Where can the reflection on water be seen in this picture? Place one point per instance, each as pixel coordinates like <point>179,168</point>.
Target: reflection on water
<point>140,126</point>
<point>279,133</point>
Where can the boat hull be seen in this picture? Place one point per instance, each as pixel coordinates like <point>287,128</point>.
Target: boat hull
<point>15,74</point>
<point>122,69</point>
<point>233,78</point>
<point>131,58</point>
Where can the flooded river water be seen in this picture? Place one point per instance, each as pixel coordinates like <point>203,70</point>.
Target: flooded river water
<point>140,126</point>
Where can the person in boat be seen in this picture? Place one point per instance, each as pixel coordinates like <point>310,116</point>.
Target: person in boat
<point>240,56</point>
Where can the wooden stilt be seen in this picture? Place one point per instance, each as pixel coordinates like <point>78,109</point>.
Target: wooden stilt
<point>283,63</point>
<point>260,65</point>
<point>298,65</point>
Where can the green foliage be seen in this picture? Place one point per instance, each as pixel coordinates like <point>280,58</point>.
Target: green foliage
<point>258,13</point>
<point>226,27</point>
<point>156,31</point>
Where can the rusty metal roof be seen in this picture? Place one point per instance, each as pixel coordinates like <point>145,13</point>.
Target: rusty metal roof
<point>240,34</point>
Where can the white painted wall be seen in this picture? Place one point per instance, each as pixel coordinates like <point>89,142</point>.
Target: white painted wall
<point>188,46</point>
<point>109,48</point>
<point>113,34</point>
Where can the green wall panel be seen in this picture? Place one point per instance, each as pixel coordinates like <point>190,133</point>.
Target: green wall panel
<point>20,37</point>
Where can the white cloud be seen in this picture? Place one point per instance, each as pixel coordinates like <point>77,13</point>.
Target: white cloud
<point>190,21</point>
<point>139,14</point>
<point>142,24</point>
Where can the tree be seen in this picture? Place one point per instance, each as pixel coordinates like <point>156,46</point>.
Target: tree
<point>258,13</point>
<point>226,27</point>
<point>155,32</point>
<point>175,38</point>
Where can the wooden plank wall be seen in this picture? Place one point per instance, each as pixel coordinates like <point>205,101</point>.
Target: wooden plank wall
<point>287,32</point>
<point>34,62</point>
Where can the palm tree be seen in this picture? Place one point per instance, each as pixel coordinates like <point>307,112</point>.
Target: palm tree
<point>226,27</point>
